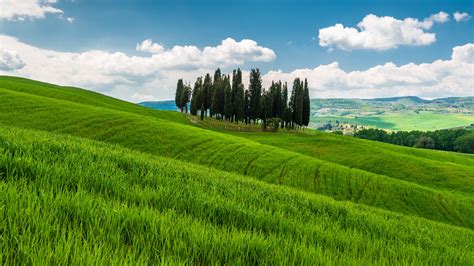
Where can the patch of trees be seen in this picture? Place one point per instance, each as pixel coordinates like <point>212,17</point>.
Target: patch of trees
<point>226,98</point>
<point>460,140</point>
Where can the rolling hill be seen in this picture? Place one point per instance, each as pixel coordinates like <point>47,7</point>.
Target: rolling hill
<point>143,185</point>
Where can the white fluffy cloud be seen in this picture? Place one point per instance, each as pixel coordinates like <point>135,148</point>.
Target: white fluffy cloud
<point>149,47</point>
<point>9,60</point>
<point>441,78</point>
<point>20,10</point>
<point>381,33</point>
<point>458,16</point>
<point>440,17</point>
<point>137,78</point>
<point>129,77</point>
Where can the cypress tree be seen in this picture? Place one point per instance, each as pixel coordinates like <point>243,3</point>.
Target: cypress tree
<point>193,108</point>
<point>178,95</point>
<point>255,90</point>
<point>247,112</point>
<point>292,106</point>
<point>217,103</point>
<point>196,99</point>
<point>239,103</point>
<point>228,106</point>
<point>296,103</point>
<point>266,106</point>
<point>185,95</point>
<point>299,103</point>
<point>275,93</point>
<point>236,82</point>
<point>287,117</point>
<point>284,105</point>
<point>306,104</point>
<point>207,92</point>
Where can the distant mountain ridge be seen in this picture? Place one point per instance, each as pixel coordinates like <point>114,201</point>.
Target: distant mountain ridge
<point>409,99</point>
<point>160,105</point>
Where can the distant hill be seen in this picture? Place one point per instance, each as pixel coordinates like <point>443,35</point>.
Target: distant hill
<point>408,100</point>
<point>405,100</point>
<point>160,105</point>
<point>169,105</point>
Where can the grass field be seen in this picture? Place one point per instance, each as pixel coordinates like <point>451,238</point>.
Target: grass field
<point>99,203</point>
<point>424,121</point>
<point>87,174</point>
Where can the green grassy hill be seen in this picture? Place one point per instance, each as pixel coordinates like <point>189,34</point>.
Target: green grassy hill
<point>72,200</point>
<point>82,96</point>
<point>142,181</point>
<point>435,169</point>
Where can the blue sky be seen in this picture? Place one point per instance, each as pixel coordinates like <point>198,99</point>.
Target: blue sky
<point>288,28</point>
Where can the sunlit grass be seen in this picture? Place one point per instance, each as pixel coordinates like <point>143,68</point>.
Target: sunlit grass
<point>109,182</point>
<point>69,200</point>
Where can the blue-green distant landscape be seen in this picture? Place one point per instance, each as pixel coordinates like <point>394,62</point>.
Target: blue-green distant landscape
<point>161,105</point>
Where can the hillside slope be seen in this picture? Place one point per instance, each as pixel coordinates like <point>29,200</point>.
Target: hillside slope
<point>165,138</point>
<point>435,169</point>
<point>68,200</point>
<point>82,96</point>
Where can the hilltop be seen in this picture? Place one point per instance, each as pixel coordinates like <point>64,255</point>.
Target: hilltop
<point>153,186</point>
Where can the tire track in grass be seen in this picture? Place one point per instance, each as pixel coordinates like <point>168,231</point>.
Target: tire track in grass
<point>349,184</point>
<point>361,190</point>
<point>283,168</point>
<point>191,147</point>
<point>249,163</point>
<point>378,193</point>
<point>446,212</point>
<point>317,180</point>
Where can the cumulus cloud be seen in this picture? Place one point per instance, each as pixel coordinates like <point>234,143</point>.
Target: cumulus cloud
<point>440,17</point>
<point>464,53</point>
<point>150,47</point>
<point>234,53</point>
<point>441,78</point>
<point>381,33</point>
<point>131,77</point>
<point>9,60</point>
<point>141,78</point>
<point>20,10</point>
<point>458,16</point>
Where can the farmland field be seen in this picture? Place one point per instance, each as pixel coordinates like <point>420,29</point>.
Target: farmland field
<point>400,113</point>
<point>86,178</point>
<point>406,121</point>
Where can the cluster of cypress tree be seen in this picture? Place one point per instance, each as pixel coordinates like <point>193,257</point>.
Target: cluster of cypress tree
<point>181,97</point>
<point>226,99</point>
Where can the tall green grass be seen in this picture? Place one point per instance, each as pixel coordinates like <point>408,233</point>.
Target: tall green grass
<point>274,165</point>
<point>68,200</point>
<point>82,96</point>
<point>438,170</point>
